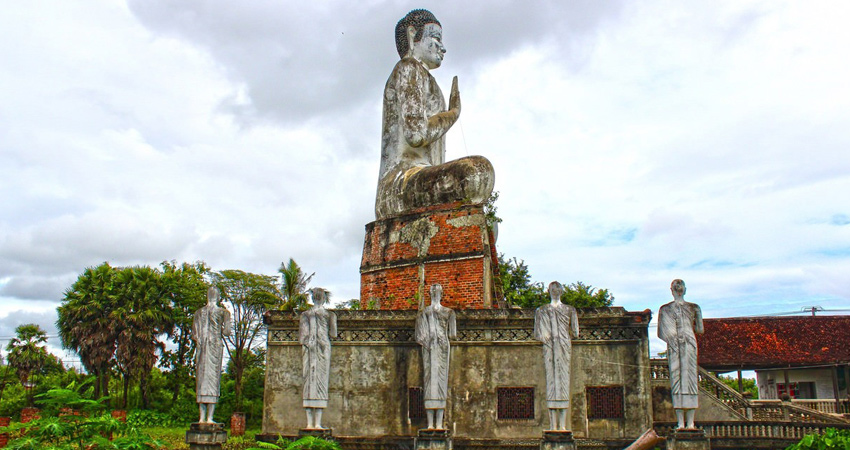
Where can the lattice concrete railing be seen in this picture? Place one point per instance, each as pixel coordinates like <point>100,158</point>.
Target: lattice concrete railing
<point>754,429</point>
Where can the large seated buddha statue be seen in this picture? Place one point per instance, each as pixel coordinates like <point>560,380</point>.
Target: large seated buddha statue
<point>414,174</point>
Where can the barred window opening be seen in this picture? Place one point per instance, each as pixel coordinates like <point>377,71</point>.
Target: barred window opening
<point>605,402</point>
<point>515,403</point>
<point>415,403</point>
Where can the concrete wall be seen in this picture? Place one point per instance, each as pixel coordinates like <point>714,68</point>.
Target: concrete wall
<point>375,361</point>
<point>711,409</point>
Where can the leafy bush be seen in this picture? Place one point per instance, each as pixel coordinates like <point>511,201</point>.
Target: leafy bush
<point>829,440</point>
<point>144,418</point>
<point>305,443</point>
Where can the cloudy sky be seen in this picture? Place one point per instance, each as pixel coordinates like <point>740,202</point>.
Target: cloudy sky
<point>634,142</point>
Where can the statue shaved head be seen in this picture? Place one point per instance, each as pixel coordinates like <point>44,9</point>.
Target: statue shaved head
<point>417,18</point>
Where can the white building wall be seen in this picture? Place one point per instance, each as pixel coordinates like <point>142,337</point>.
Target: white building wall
<point>822,378</point>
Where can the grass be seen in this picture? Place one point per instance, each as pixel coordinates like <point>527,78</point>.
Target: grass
<point>175,438</point>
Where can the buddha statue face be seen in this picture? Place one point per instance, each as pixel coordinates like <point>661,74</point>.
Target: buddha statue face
<point>678,288</point>
<point>429,49</point>
<point>555,292</point>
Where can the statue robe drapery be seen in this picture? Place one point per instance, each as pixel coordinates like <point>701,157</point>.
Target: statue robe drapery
<point>555,326</point>
<point>317,326</point>
<point>434,328</point>
<point>677,325</point>
<point>208,326</point>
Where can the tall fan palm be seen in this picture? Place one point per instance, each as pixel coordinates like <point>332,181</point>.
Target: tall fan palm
<point>27,353</point>
<point>142,315</point>
<point>85,322</point>
<point>294,285</point>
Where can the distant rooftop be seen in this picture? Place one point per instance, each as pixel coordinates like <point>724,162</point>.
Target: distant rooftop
<point>774,342</point>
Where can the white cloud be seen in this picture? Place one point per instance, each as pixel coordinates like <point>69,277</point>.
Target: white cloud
<point>633,143</point>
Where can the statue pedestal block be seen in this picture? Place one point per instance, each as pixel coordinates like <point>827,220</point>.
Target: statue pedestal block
<point>686,439</point>
<point>447,244</point>
<point>557,440</point>
<point>433,440</point>
<point>321,433</point>
<point>206,436</point>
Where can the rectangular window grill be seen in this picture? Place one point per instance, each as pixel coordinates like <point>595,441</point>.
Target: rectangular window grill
<point>605,402</point>
<point>415,403</point>
<point>515,403</point>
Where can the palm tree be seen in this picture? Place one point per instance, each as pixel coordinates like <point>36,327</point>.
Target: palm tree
<point>27,353</point>
<point>85,322</point>
<point>294,286</point>
<point>143,313</point>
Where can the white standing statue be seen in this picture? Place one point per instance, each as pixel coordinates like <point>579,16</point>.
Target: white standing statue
<point>678,324</point>
<point>318,326</point>
<point>556,325</point>
<point>211,323</point>
<point>435,325</point>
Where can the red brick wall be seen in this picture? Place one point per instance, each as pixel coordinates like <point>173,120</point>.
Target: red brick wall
<point>459,257</point>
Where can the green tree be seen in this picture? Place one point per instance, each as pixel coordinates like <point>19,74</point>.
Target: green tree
<point>143,313</point>
<point>28,354</point>
<point>249,297</point>
<point>582,295</point>
<point>516,285</point>
<point>518,289</point>
<point>353,304</point>
<point>7,377</point>
<point>186,289</point>
<point>294,286</point>
<point>85,322</point>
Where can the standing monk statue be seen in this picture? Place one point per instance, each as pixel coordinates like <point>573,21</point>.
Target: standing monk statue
<point>318,326</point>
<point>435,325</point>
<point>210,325</point>
<point>678,324</point>
<point>556,325</point>
<point>413,171</point>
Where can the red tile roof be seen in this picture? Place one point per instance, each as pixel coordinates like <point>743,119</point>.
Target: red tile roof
<point>766,342</point>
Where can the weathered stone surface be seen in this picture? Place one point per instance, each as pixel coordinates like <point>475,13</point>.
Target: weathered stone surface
<point>433,440</point>
<point>317,326</point>
<point>413,172</point>
<point>557,440</point>
<point>210,324</point>
<point>685,439</point>
<point>451,246</point>
<point>678,324</point>
<point>376,360</point>
<point>206,436</point>
<point>555,325</point>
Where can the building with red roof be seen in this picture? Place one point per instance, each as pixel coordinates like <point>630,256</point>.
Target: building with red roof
<point>807,357</point>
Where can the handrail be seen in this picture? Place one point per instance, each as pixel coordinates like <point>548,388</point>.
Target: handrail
<point>754,429</point>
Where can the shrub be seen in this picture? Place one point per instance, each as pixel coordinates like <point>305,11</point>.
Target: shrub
<point>829,440</point>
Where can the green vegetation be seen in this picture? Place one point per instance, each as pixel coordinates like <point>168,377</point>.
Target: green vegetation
<point>304,443</point>
<point>831,439</point>
<point>518,289</point>
<point>749,384</point>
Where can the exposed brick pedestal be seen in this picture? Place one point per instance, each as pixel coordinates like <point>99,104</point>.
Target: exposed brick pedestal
<point>4,437</point>
<point>30,414</point>
<point>448,244</point>
<point>120,415</point>
<point>237,424</point>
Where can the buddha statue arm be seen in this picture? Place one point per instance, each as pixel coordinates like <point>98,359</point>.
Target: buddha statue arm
<point>419,130</point>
